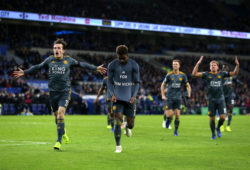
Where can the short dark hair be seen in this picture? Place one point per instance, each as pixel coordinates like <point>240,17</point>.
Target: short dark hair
<point>60,41</point>
<point>121,50</point>
<point>176,60</point>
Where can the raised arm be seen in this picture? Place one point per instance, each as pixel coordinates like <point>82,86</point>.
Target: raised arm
<point>188,89</point>
<point>196,68</point>
<point>236,70</point>
<point>32,69</point>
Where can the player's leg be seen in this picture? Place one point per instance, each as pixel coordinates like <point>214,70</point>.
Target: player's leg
<point>130,112</point>
<point>55,114</point>
<point>230,113</point>
<point>111,115</point>
<point>177,121</point>
<point>118,110</point>
<point>169,112</point>
<point>222,113</point>
<point>211,114</point>
<point>109,126</point>
<point>164,120</point>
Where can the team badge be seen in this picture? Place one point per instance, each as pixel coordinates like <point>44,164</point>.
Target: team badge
<point>231,78</point>
<point>210,77</point>
<point>180,78</point>
<point>172,78</point>
<point>219,77</point>
<point>53,62</point>
<point>114,107</point>
<point>208,112</point>
<point>65,62</point>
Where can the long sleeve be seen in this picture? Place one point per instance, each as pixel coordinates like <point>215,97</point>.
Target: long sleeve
<point>87,66</point>
<point>82,64</point>
<point>36,67</point>
<point>136,80</point>
<point>110,79</point>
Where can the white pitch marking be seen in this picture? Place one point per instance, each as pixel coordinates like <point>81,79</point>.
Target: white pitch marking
<point>13,142</point>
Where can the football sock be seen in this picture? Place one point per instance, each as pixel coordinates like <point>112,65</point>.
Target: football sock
<point>117,132</point>
<point>60,129</point>
<point>229,119</point>
<point>221,121</point>
<point>212,126</point>
<point>165,117</point>
<point>169,120</point>
<point>176,124</point>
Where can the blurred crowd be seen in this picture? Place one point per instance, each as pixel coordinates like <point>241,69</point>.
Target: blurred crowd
<point>185,13</point>
<point>16,36</point>
<point>149,97</point>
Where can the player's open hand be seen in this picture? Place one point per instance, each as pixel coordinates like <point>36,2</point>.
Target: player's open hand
<point>101,69</point>
<point>132,100</point>
<point>163,97</point>
<point>200,60</point>
<point>113,98</point>
<point>236,61</point>
<point>18,73</point>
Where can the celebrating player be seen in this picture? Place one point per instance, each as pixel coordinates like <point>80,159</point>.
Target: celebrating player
<point>174,79</point>
<point>215,95</point>
<point>59,83</point>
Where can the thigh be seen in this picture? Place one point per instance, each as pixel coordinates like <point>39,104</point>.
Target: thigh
<point>53,100</point>
<point>221,106</point>
<point>169,104</point>
<point>118,107</point>
<point>211,108</point>
<point>64,99</point>
<point>176,104</point>
<point>130,110</point>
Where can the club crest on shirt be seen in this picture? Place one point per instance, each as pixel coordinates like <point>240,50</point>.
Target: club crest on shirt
<point>210,77</point>
<point>65,62</point>
<point>219,77</point>
<point>180,78</point>
<point>52,62</point>
<point>114,107</point>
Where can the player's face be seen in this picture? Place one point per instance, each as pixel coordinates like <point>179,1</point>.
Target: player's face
<point>176,65</point>
<point>123,58</point>
<point>214,67</point>
<point>58,51</point>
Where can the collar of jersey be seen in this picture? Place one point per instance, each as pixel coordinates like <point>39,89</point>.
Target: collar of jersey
<point>59,59</point>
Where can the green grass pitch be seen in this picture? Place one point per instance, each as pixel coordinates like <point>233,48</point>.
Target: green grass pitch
<point>27,143</point>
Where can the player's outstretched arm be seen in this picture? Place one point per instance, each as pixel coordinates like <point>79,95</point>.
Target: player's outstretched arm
<point>162,91</point>
<point>236,70</point>
<point>196,68</point>
<point>19,73</point>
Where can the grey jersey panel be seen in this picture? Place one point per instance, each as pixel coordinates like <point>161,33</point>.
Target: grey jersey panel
<point>174,84</point>
<point>123,79</point>
<point>214,84</point>
<point>59,71</point>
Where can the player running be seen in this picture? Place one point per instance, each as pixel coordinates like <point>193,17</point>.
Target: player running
<point>215,95</point>
<point>59,84</point>
<point>174,79</point>
<point>123,85</point>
